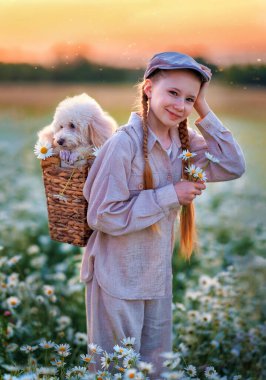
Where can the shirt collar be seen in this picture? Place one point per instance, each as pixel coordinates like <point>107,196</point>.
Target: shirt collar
<point>136,121</point>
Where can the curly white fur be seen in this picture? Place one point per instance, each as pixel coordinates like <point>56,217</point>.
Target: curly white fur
<point>79,123</point>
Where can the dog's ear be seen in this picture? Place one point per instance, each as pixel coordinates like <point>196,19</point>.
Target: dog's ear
<point>46,134</point>
<point>101,128</point>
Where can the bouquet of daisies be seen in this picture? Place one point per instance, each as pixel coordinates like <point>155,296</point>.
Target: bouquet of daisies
<point>188,233</point>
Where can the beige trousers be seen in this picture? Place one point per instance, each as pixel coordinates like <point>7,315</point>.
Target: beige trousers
<point>111,319</point>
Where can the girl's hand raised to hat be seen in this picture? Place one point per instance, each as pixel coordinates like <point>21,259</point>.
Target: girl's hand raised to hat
<point>187,191</point>
<point>201,105</point>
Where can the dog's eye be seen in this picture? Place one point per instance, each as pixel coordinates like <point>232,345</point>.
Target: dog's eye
<point>72,125</point>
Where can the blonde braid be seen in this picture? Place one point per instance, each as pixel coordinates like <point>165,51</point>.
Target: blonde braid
<point>188,233</point>
<point>148,180</point>
<point>147,177</point>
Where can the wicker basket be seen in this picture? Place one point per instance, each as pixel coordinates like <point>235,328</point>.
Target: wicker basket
<point>67,207</point>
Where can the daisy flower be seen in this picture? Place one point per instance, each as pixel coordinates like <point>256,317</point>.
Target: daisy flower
<point>94,348</point>
<point>172,359</point>
<point>48,290</point>
<point>62,349</point>
<point>46,344</point>
<point>145,367</point>
<point>76,371</point>
<point>43,150</point>
<point>96,150</point>
<point>210,157</point>
<point>87,358</point>
<point>191,370</point>
<point>191,170</point>
<point>46,371</point>
<point>128,361</point>
<point>186,154</point>
<point>63,322</point>
<point>206,317</point>
<point>58,363</point>
<point>193,314</point>
<point>27,349</point>
<point>120,350</point>
<point>200,174</point>
<point>13,302</point>
<point>13,260</point>
<point>80,339</point>
<point>128,341</point>
<point>106,360</point>
<point>175,375</point>
<point>210,373</point>
<point>130,374</point>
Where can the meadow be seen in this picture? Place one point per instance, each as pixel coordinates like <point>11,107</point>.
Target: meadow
<point>219,309</point>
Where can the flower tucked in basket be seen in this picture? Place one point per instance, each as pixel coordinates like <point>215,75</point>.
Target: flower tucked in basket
<point>67,207</point>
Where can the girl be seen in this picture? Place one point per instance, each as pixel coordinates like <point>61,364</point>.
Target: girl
<point>134,190</point>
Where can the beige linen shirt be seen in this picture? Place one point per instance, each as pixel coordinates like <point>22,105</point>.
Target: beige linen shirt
<point>129,260</point>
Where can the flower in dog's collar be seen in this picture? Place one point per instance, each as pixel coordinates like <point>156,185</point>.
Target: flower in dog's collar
<point>43,150</point>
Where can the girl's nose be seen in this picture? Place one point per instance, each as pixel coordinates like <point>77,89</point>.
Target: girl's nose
<point>179,104</point>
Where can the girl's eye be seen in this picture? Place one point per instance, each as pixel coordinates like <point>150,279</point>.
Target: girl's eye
<point>61,126</point>
<point>72,125</point>
<point>173,93</point>
<point>191,100</point>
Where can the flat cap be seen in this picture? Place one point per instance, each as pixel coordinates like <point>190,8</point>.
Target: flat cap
<point>174,60</point>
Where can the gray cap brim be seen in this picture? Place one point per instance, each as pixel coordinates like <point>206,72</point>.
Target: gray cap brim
<point>173,61</point>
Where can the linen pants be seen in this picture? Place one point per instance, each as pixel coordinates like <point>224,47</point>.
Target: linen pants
<point>110,319</point>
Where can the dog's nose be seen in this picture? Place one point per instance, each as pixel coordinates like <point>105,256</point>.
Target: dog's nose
<point>60,141</point>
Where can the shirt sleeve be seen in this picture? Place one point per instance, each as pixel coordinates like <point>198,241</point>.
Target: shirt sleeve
<point>111,207</point>
<point>216,139</point>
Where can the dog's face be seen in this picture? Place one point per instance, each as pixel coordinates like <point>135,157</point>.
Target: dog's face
<point>73,122</point>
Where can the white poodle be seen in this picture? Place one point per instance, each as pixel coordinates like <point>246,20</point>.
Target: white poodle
<point>79,124</point>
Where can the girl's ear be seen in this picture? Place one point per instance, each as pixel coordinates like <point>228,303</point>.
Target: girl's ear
<point>147,88</point>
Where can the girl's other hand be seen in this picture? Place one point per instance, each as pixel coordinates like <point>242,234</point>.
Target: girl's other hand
<point>187,191</point>
<point>200,102</point>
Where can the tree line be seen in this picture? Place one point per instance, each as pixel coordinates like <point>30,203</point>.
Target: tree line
<point>82,70</point>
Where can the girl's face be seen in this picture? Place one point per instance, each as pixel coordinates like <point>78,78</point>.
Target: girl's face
<point>172,96</point>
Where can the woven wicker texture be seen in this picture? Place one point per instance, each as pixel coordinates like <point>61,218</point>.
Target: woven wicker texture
<point>67,207</point>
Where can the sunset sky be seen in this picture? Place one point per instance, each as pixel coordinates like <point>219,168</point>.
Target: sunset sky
<point>127,32</point>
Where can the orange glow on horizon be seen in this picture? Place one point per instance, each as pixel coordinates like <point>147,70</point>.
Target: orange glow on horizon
<point>105,31</point>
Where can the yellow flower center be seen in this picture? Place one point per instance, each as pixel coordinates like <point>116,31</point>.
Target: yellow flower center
<point>62,349</point>
<point>188,154</point>
<point>193,171</point>
<point>200,175</point>
<point>131,375</point>
<point>43,150</point>
<point>13,302</point>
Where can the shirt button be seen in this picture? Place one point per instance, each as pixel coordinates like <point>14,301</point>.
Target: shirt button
<point>169,177</point>
<point>141,186</point>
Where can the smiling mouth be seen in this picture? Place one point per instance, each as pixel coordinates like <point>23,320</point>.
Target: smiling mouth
<point>173,114</point>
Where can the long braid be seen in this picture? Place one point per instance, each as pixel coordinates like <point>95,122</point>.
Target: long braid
<point>147,176</point>
<point>188,233</point>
